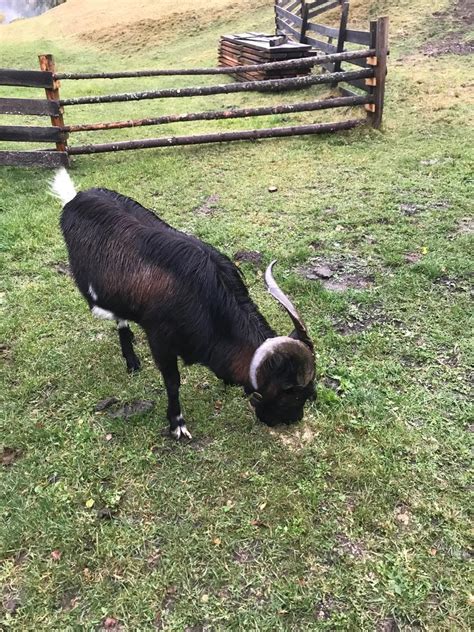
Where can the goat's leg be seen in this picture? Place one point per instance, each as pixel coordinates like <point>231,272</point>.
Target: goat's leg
<point>126,338</point>
<point>168,365</point>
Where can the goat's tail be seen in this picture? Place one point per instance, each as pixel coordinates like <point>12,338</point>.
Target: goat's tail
<point>63,187</point>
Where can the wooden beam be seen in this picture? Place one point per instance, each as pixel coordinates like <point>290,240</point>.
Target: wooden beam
<point>32,134</point>
<point>219,137</point>
<point>35,107</point>
<point>49,159</point>
<point>26,78</point>
<point>342,34</point>
<point>275,65</point>
<point>287,108</point>
<point>228,88</point>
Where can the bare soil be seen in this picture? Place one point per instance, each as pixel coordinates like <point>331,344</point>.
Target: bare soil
<point>339,273</point>
<point>456,20</point>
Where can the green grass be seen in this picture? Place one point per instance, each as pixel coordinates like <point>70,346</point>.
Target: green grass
<point>354,520</point>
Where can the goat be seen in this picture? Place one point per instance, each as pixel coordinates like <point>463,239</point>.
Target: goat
<point>189,299</point>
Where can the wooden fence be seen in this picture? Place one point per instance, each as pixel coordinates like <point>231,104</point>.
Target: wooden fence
<point>365,74</point>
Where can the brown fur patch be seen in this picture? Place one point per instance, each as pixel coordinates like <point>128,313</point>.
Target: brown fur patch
<point>240,365</point>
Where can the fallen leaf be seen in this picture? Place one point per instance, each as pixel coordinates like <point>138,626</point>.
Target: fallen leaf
<point>110,623</point>
<point>108,437</point>
<point>56,555</point>
<point>90,503</point>
<point>259,523</point>
<point>216,541</point>
<point>424,250</point>
<point>272,189</point>
<point>262,506</point>
<point>205,598</point>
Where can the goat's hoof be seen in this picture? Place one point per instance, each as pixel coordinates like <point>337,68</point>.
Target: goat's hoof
<point>181,432</point>
<point>134,366</point>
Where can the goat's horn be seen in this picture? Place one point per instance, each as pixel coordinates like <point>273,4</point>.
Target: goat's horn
<point>282,298</point>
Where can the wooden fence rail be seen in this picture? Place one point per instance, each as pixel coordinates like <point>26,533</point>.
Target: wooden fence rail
<point>215,115</point>
<point>307,62</point>
<point>272,85</point>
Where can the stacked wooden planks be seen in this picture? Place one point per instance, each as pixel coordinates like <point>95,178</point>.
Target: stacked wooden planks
<point>257,48</point>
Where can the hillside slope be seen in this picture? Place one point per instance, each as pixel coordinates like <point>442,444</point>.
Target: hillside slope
<point>104,20</point>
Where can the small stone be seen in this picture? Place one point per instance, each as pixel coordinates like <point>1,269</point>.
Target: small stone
<point>272,189</point>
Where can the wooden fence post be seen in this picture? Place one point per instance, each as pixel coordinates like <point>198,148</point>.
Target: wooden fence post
<point>378,41</point>
<point>341,40</point>
<point>304,23</point>
<point>52,94</point>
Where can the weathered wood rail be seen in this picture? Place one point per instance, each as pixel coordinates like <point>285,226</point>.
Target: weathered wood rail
<point>359,74</point>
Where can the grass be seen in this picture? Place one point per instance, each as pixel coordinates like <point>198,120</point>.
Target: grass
<point>358,519</point>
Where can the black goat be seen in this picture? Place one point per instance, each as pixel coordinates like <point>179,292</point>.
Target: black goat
<point>190,300</point>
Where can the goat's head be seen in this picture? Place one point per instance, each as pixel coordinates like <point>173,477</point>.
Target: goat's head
<point>282,368</point>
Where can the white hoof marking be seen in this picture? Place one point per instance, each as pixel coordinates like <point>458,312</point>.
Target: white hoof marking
<point>185,432</point>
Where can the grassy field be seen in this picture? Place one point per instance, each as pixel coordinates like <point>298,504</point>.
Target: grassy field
<point>358,518</point>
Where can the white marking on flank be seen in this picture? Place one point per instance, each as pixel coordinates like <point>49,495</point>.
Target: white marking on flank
<point>103,314</point>
<point>121,324</point>
<point>92,293</point>
<point>63,187</point>
<point>266,349</point>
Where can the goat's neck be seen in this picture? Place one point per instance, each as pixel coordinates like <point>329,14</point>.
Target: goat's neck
<point>236,356</point>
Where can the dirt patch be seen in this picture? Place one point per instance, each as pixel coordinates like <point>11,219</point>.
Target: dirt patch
<point>105,403</point>
<point>295,439</point>
<point>209,206</point>
<point>410,209</point>
<point>62,268</point>
<point>387,625</point>
<point>451,45</point>
<point>167,607</point>
<point>248,553</point>
<point>129,409</point>
<point>454,284</point>
<point>412,257</point>
<point>10,455</point>
<point>6,354</point>
<point>11,600</point>
<point>328,606</point>
<point>456,21</point>
<point>339,273</point>
<point>136,35</point>
<point>199,445</point>
<point>347,546</point>
<point>360,319</point>
<point>249,256</point>
<point>460,12</point>
<point>465,227</point>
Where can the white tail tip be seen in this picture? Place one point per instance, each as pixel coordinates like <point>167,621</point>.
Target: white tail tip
<point>63,187</point>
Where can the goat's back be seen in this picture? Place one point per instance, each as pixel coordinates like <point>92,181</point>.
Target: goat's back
<point>144,270</point>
